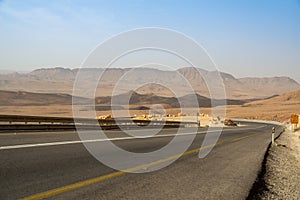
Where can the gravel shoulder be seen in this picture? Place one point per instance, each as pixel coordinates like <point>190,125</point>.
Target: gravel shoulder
<point>282,169</point>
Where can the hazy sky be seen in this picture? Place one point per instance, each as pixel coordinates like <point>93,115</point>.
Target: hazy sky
<point>244,37</point>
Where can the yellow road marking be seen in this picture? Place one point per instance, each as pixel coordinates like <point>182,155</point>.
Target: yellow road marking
<point>85,183</point>
<point>240,138</point>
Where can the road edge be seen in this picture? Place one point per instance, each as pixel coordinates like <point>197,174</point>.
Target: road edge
<point>259,186</point>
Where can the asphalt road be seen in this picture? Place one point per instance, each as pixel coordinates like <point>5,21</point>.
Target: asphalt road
<point>38,163</point>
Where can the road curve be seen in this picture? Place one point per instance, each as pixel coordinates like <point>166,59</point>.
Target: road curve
<point>56,165</point>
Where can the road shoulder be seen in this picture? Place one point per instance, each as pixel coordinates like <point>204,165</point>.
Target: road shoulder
<point>281,179</point>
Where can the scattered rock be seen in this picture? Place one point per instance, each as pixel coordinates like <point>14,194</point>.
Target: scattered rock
<point>229,122</point>
<point>282,178</point>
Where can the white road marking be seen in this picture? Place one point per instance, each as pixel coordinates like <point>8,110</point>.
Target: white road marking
<point>114,139</point>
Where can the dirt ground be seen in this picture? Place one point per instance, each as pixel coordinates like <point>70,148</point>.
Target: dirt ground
<point>264,112</point>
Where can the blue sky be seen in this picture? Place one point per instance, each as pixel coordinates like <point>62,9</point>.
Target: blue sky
<point>244,37</point>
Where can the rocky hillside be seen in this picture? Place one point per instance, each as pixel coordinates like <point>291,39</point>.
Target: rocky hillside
<point>290,98</point>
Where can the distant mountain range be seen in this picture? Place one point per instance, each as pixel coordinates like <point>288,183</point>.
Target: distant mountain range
<point>21,98</point>
<point>132,98</point>
<point>169,102</point>
<point>60,80</point>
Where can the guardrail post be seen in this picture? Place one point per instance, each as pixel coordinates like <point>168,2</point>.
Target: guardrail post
<point>273,135</point>
<point>198,119</point>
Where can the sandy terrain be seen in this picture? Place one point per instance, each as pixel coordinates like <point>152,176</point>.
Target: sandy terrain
<point>265,112</point>
<point>280,107</point>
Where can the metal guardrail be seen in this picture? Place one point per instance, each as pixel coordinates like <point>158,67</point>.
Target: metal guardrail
<point>10,122</point>
<point>259,121</point>
<point>38,119</point>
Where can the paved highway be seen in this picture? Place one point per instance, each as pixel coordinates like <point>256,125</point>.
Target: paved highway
<point>56,165</point>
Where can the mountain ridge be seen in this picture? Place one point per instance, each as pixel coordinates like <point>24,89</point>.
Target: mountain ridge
<point>61,80</point>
